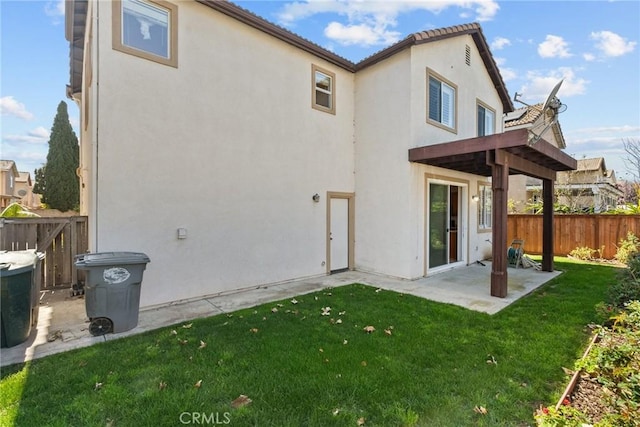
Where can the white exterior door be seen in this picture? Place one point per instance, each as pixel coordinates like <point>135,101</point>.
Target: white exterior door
<point>339,234</point>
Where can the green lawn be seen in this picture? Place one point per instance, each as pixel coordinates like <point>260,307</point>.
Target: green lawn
<point>426,364</point>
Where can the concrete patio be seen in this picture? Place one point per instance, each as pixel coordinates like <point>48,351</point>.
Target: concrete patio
<point>63,325</point>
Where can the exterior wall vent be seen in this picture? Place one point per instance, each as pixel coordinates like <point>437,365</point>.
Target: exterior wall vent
<point>467,52</point>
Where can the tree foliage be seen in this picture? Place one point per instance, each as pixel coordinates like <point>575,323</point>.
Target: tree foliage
<point>57,180</point>
<point>632,160</point>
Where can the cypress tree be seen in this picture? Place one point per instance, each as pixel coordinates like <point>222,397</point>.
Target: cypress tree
<point>61,184</point>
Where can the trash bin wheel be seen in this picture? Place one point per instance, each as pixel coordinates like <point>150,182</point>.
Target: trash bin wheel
<point>100,326</point>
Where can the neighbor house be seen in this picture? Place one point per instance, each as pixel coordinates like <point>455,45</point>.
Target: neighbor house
<point>236,153</point>
<point>8,176</point>
<point>590,188</point>
<point>524,190</point>
<point>24,191</point>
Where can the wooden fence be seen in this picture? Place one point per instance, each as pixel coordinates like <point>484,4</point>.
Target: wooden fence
<point>60,239</point>
<point>573,231</point>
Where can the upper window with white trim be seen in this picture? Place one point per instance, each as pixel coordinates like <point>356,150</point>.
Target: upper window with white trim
<point>323,90</point>
<point>146,28</point>
<point>486,120</point>
<point>441,105</point>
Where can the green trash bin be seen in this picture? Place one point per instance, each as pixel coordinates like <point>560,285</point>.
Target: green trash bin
<point>112,289</point>
<point>20,285</point>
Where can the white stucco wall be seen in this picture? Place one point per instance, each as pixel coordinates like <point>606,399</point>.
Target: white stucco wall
<point>391,119</point>
<point>228,147</point>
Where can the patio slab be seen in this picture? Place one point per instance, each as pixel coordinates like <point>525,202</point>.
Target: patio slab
<point>63,324</point>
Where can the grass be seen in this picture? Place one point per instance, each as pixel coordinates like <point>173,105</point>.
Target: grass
<point>438,365</point>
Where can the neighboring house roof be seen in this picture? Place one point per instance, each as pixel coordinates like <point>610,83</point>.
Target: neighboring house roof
<point>9,165</point>
<point>24,177</point>
<point>593,164</point>
<point>526,117</point>
<point>76,11</point>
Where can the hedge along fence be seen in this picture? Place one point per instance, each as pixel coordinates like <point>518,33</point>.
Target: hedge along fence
<point>574,231</point>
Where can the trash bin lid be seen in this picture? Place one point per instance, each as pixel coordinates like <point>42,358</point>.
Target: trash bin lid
<point>98,259</point>
<point>17,262</point>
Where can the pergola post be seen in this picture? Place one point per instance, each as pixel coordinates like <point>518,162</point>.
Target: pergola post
<point>500,186</point>
<point>547,225</point>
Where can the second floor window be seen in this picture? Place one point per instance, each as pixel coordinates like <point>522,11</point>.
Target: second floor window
<point>323,90</point>
<point>146,28</point>
<point>486,121</point>
<point>441,103</point>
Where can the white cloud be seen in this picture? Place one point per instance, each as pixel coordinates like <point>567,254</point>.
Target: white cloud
<point>538,86</point>
<point>10,107</point>
<point>54,8</point>
<point>589,57</point>
<point>554,47</point>
<point>362,34</point>
<point>611,44</point>
<point>371,22</point>
<point>499,43</point>
<point>38,135</point>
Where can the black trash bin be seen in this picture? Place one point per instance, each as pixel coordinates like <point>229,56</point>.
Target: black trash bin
<point>20,285</point>
<point>112,289</point>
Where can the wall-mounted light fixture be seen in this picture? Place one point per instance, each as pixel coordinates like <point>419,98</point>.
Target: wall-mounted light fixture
<point>475,197</point>
<point>316,197</point>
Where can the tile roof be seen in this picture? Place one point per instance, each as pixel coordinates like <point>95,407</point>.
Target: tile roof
<point>593,164</point>
<point>523,116</point>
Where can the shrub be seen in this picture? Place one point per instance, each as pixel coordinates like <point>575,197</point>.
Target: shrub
<point>627,248</point>
<point>627,287</point>
<point>583,253</point>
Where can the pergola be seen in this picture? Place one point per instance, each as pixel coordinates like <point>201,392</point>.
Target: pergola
<point>498,156</point>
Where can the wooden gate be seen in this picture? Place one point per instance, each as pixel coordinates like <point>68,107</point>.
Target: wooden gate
<point>60,239</point>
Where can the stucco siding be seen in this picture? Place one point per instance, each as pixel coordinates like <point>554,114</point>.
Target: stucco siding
<point>232,129</point>
<point>383,172</point>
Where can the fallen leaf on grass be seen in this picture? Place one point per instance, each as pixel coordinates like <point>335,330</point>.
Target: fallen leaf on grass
<point>480,410</point>
<point>254,330</point>
<point>162,385</point>
<point>202,345</point>
<point>491,360</point>
<point>335,412</point>
<point>98,386</point>
<point>241,401</point>
<point>274,310</point>
<point>183,342</point>
<point>198,384</point>
<point>187,326</point>
<point>387,331</point>
<point>363,363</point>
<point>360,421</point>
<point>369,329</point>
<point>345,342</point>
<point>294,301</point>
<point>174,332</point>
<point>326,311</point>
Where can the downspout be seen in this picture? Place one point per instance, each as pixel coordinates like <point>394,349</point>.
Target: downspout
<point>96,68</point>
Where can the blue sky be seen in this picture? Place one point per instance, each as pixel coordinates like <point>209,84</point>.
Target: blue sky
<point>592,45</point>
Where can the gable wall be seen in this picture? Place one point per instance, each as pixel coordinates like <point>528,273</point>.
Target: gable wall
<point>391,118</point>
<point>233,153</point>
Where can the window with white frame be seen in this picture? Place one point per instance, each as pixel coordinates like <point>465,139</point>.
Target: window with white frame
<point>441,102</point>
<point>486,120</point>
<point>323,90</point>
<point>146,28</point>
<point>485,196</point>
